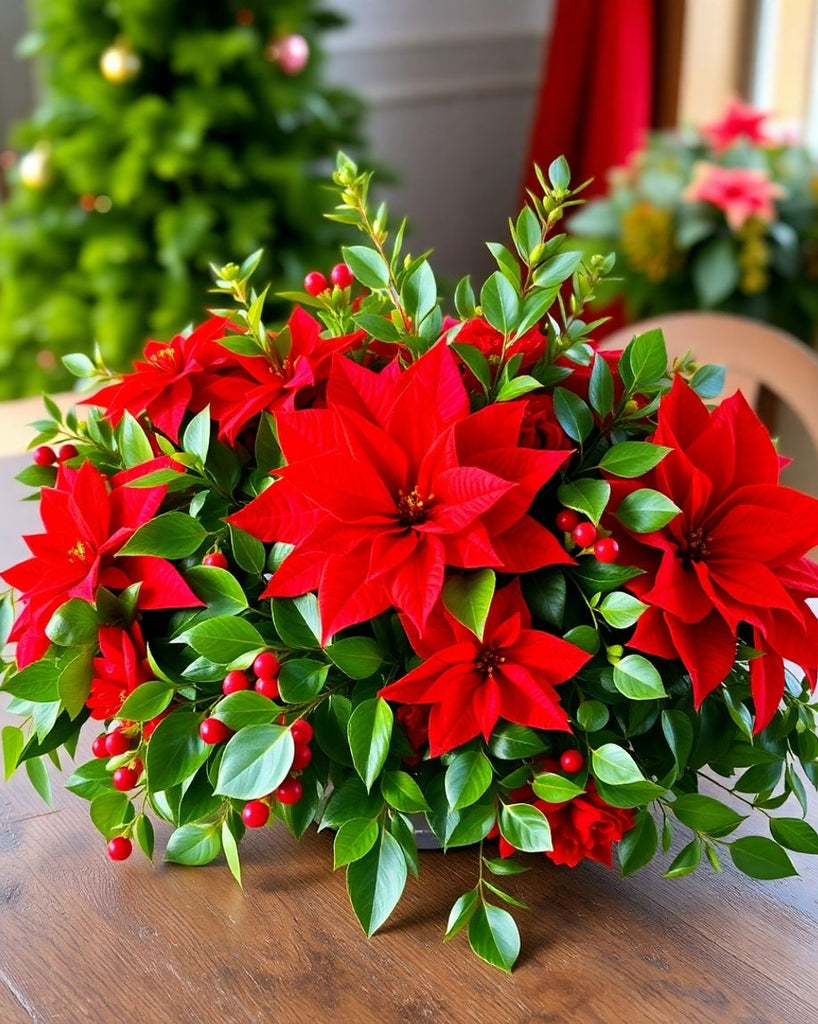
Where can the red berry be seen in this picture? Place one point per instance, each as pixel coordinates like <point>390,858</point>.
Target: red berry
<point>266,687</point>
<point>99,747</point>
<point>213,731</point>
<point>567,519</point>
<point>584,534</point>
<point>315,283</point>
<point>120,848</point>
<point>235,681</point>
<point>289,792</point>
<point>43,456</point>
<point>125,779</point>
<point>606,550</point>
<point>255,814</point>
<point>571,761</point>
<point>66,452</point>
<point>117,743</point>
<point>301,731</point>
<point>549,764</point>
<point>266,665</point>
<point>302,757</point>
<point>216,559</point>
<point>341,275</point>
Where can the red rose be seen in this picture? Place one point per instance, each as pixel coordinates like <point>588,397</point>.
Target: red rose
<point>585,829</point>
<point>540,428</point>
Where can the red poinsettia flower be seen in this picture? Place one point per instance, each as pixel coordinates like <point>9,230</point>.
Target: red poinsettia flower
<point>174,378</point>
<point>735,553</point>
<point>471,684</point>
<point>119,669</point>
<point>392,482</point>
<point>87,520</point>
<point>740,121</point>
<point>265,384</point>
<point>584,828</point>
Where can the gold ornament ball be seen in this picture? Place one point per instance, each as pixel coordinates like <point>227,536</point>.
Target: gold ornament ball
<point>119,64</point>
<point>34,170</point>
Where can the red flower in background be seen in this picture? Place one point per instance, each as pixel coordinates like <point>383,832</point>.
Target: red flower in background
<point>87,520</point>
<point>740,121</point>
<point>584,828</point>
<point>739,192</point>
<point>119,669</point>
<point>174,378</point>
<point>262,385</point>
<point>735,553</point>
<point>471,684</point>
<point>394,481</point>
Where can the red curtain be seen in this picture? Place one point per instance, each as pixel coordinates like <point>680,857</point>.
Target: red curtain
<point>595,101</point>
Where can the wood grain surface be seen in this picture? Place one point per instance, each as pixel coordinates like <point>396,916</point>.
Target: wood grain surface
<point>84,940</point>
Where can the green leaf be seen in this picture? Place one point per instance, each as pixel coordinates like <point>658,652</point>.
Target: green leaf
<point>505,866</point>
<point>587,496</point>
<point>90,779</point>
<point>592,715</point>
<point>613,764</point>
<point>194,845</point>
<point>678,731</point>
<point>526,828</point>
<point>75,682</point>
<point>419,293</point>
<point>176,751</point>
<point>574,416</point>
<point>632,458</point>
<point>78,365</point>
<point>196,438</point>
<point>639,844</point>
<point>584,637</point>
<point>351,800</point>
<point>330,720</point>
<point>255,762</point>
<point>464,300</point>
<point>558,269</point>
<point>301,679</point>
<point>376,881</point>
<point>644,361</point>
<point>245,707</point>
<point>621,610</point>
<point>12,741</point>
<point>468,597</point>
<point>462,912</point>
<point>476,362</point>
<point>297,621</point>
<point>510,741</point>
<point>687,860</point>
<point>705,814</point>
<point>599,577</point>
<point>231,851</point>
<point>73,624</point>
<point>545,594</point>
<point>146,702</point>
<point>143,833</point>
<point>637,678</point>
<point>708,381</point>
<point>555,789</point>
<point>170,535</point>
<point>110,812</point>
<point>37,682</point>
<point>354,839</point>
<point>500,303</point>
<point>468,777</point>
<point>629,794</point>
<point>559,174</point>
<point>401,791</point>
<point>646,510</point>
<point>218,588</point>
<point>358,657</point>
<point>247,550</point>
<point>133,442</point>
<point>795,834</point>
<point>368,266</point>
<point>517,387</point>
<point>759,857</point>
<point>472,823</point>
<point>494,937</point>
<point>369,732</point>
<point>223,639</point>
<point>715,271</point>
<point>601,387</point>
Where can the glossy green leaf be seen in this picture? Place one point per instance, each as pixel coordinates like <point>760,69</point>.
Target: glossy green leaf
<point>468,597</point>
<point>369,732</point>
<point>354,839</point>
<point>637,678</point>
<point>468,776</point>
<point>255,762</point>
<point>376,881</point>
<point>194,845</point>
<point>494,937</point>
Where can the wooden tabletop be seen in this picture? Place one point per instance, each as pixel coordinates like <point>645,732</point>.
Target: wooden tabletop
<point>82,939</point>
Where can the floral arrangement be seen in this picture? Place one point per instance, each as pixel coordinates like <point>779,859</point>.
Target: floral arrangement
<point>721,218</point>
<point>380,565</point>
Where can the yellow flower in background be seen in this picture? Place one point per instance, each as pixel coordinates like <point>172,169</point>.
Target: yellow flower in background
<point>753,257</point>
<point>647,240</point>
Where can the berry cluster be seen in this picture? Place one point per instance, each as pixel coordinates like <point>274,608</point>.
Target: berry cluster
<point>256,813</point>
<point>585,535</point>
<point>114,744</point>
<point>315,283</point>
<point>44,455</point>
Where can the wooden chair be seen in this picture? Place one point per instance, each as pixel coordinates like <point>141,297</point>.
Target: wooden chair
<point>754,355</point>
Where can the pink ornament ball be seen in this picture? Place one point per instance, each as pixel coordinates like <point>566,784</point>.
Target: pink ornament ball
<point>291,53</point>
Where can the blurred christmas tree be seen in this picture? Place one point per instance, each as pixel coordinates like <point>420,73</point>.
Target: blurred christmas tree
<point>170,133</point>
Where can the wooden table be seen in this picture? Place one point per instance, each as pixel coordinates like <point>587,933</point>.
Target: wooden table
<point>82,939</point>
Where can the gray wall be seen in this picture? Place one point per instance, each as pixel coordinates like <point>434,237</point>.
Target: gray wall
<point>450,85</point>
